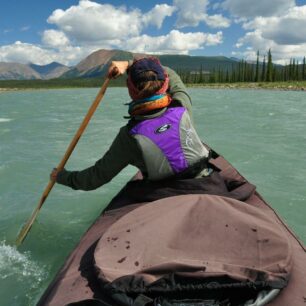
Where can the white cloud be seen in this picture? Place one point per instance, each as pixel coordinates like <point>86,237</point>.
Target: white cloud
<point>91,22</point>
<point>175,42</point>
<point>285,35</point>
<point>157,15</point>
<point>289,29</point>
<point>190,13</point>
<point>24,53</point>
<point>28,53</point>
<point>217,21</point>
<point>54,38</point>
<point>193,12</point>
<point>251,8</point>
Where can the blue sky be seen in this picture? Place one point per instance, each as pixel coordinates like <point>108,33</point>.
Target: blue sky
<point>68,30</point>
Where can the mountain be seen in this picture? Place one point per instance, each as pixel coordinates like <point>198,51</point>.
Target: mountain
<point>50,71</point>
<point>97,63</point>
<point>16,71</point>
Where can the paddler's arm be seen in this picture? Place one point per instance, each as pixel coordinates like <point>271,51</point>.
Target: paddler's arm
<point>105,169</point>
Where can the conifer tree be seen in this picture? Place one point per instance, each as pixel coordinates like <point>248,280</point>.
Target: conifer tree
<point>269,67</point>
<point>274,74</point>
<point>285,73</point>
<point>233,74</point>
<point>304,69</point>
<point>293,69</point>
<point>290,70</point>
<point>297,74</point>
<point>245,71</point>
<point>257,68</point>
<point>201,78</point>
<point>227,79</point>
<point>263,71</point>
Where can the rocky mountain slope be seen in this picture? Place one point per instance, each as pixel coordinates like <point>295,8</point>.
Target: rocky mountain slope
<point>16,71</point>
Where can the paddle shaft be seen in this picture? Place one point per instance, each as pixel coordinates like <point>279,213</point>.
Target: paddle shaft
<point>23,233</point>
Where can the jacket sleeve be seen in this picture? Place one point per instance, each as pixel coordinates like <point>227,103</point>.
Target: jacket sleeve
<point>178,90</point>
<point>104,170</point>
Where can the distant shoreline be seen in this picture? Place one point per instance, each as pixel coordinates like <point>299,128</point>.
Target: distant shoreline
<point>285,86</point>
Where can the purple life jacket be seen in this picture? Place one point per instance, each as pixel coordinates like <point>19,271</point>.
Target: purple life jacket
<point>169,143</point>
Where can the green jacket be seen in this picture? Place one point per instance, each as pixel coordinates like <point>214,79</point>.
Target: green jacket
<point>123,151</point>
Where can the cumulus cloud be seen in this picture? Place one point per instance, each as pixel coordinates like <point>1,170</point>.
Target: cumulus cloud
<point>217,21</point>
<point>285,35</point>
<point>55,38</point>
<point>251,8</point>
<point>289,29</point>
<point>24,53</point>
<point>193,12</point>
<point>190,13</point>
<point>281,53</point>
<point>92,22</point>
<point>28,53</point>
<point>157,15</point>
<point>174,42</point>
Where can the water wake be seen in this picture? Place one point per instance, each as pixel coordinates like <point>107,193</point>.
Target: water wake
<point>19,267</point>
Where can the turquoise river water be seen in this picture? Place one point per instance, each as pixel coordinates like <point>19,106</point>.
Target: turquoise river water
<point>262,133</point>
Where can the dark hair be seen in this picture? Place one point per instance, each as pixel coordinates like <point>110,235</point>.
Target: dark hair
<point>148,88</point>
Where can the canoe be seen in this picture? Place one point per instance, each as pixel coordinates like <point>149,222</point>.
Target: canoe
<point>207,240</point>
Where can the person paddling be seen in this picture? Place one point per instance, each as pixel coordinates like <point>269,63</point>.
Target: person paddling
<point>159,138</point>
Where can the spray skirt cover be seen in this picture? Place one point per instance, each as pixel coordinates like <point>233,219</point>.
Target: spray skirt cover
<point>202,240</point>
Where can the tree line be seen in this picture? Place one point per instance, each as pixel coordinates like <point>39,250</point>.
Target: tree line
<point>243,71</point>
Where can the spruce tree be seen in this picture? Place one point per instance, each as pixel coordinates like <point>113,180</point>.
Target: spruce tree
<point>201,78</point>
<point>293,70</point>
<point>245,71</point>
<point>290,70</point>
<point>263,71</point>
<point>227,79</point>
<point>297,74</point>
<point>233,74</point>
<point>269,67</point>
<point>304,69</point>
<point>257,68</point>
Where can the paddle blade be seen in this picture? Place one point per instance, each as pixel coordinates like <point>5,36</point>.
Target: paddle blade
<point>24,231</point>
<point>26,228</point>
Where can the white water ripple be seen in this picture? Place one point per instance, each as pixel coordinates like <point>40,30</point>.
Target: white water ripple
<point>5,120</point>
<point>19,266</point>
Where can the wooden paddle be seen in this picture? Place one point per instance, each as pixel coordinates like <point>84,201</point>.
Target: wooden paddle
<point>23,233</point>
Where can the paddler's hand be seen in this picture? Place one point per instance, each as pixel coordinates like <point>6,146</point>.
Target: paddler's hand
<point>53,174</point>
<point>117,68</point>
